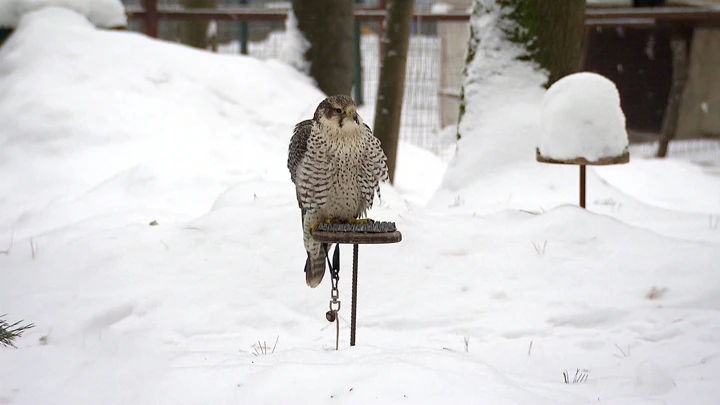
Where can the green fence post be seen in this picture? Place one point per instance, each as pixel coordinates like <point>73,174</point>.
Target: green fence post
<point>243,32</point>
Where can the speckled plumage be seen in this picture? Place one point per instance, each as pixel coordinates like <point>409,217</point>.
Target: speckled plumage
<point>337,165</point>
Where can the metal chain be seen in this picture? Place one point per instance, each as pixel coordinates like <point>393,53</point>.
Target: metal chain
<point>334,280</point>
<point>334,296</point>
<point>332,314</point>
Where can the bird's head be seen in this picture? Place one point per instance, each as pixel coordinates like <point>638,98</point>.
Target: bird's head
<point>339,111</point>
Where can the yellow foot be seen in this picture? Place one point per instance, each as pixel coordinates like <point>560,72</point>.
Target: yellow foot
<point>326,221</point>
<point>349,221</point>
<point>340,221</point>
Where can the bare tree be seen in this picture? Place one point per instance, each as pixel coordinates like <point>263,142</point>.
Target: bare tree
<point>194,32</point>
<point>553,31</point>
<point>328,27</point>
<point>560,36</point>
<point>391,87</point>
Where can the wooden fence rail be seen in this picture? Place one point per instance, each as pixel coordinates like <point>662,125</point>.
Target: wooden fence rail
<point>636,17</point>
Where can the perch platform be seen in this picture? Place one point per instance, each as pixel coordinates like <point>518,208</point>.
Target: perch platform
<point>582,162</point>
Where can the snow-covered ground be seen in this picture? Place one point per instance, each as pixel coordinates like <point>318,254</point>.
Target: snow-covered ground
<point>500,284</point>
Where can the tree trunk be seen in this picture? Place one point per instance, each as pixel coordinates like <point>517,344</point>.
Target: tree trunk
<point>328,27</point>
<point>391,87</point>
<point>679,46</point>
<point>192,32</point>
<point>552,31</point>
<point>560,35</point>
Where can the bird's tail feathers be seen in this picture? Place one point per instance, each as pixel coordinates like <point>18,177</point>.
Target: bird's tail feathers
<point>315,268</point>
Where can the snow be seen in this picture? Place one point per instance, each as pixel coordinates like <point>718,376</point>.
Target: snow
<point>501,89</point>
<point>653,379</point>
<point>212,29</point>
<point>582,117</point>
<point>441,8</point>
<point>416,163</point>
<point>143,155</point>
<point>102,13</point>
<point>294,45</point>
<point>488,299</point>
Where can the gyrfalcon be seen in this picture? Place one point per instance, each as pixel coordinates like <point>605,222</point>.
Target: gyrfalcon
<point>337,165</point>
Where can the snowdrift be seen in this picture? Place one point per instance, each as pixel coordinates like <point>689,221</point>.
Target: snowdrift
<point>111,122</point>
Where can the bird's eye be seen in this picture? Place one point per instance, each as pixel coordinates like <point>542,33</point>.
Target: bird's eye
<point>337,110</point>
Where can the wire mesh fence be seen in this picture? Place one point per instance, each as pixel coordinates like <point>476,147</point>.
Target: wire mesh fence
<point>420,119</point>
<point>703,151</point>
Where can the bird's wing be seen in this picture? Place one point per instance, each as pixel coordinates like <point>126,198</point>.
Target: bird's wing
<point>310,167</point>
<point>298,146</point>
<point>374,167</point>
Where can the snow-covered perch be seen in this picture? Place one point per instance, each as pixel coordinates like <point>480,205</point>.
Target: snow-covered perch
<point>582,118</point>
<point>583,124</point>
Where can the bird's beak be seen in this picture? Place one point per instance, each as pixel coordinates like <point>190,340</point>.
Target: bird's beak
<point>352,114</point>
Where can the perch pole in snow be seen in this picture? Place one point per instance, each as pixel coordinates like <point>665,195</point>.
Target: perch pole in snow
<point>355,234</point>
<point>583,124</point>
<point>582,162</point>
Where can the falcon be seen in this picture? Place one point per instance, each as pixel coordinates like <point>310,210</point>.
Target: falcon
<point>337,165</point>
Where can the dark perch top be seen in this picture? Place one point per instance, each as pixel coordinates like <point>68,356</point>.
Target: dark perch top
<point>612,160</point>
<point>369,233</point>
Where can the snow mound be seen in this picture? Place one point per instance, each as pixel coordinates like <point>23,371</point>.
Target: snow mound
<point>107,134</point>
<point>294,45</point>
<point>102,13</point>
<point>582,117</point>
<point>418,174</point>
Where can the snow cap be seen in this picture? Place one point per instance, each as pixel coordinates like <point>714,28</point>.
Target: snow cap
<point>582,117</point>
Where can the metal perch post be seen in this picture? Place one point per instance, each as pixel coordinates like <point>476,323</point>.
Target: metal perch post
<point>583,163</point>
<point>355,234</point>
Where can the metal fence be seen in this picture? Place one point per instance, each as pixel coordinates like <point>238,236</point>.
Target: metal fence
<point>420,120</point>
<point>436,54</point>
